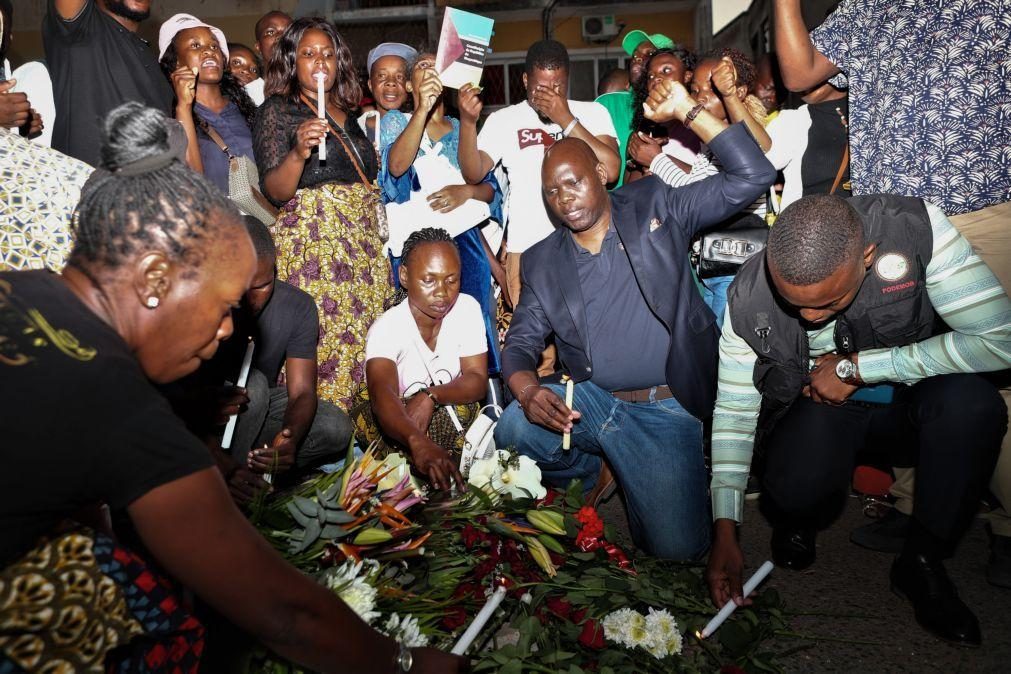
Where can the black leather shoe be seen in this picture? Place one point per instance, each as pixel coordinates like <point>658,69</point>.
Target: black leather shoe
<point>925,583</point>
<point>887,534</point>
<point>793,547</point>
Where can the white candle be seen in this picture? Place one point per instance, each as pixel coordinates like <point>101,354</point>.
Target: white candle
<point>479,621</point>
<point>321,111</point>
<point>729,607</point>
<point>569,389</point>
<point>247,361</point>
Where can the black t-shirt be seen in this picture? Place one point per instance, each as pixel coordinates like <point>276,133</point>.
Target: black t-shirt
<point>79,421</point>
<point>96,65</point>
<point>277,121</point>
<point>288,327</point>
<point>826,141</point>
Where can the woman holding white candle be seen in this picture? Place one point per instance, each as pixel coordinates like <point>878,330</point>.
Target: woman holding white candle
<point>328,235</point>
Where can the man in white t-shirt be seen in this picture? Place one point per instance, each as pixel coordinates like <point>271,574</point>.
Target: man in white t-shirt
<point>516,137</point>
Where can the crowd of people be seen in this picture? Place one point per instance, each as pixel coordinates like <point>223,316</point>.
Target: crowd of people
<point>391,260</point>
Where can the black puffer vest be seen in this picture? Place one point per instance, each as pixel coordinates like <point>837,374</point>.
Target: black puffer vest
<point>891,308</point>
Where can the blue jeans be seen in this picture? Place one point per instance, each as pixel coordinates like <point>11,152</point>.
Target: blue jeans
<point>714,294</point>
<point>655,449</point>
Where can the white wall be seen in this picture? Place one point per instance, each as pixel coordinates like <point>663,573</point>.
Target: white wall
<point>725,11</point>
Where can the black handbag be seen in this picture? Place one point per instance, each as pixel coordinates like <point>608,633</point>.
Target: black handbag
<point>722,251</point>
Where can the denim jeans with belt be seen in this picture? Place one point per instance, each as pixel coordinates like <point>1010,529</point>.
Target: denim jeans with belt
<point>655,449</point>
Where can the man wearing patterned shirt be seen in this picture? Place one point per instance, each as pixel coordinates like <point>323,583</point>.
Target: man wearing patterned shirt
<point>928,96</point>
<point>840,351</point>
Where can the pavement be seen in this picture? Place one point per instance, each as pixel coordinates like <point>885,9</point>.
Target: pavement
<point>845,596</point>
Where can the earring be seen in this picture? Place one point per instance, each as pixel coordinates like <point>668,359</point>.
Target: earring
<point>152,302</point>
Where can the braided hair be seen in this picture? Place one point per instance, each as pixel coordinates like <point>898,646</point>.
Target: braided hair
<point>122,211</point>
<point>423,236</point>
<point>230,87</point>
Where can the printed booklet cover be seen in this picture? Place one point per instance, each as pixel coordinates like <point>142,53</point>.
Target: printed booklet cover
<point>463,47</point>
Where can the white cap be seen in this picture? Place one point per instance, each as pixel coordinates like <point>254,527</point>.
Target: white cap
<point>179,22</point>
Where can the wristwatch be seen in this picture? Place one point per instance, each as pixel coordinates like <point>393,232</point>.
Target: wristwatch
<point>846,370</point>
<point>404,659</point>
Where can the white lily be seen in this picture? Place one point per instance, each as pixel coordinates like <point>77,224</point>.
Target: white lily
<point>505,473</point>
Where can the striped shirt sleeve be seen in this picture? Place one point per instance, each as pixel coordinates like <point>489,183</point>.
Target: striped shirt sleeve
<point>734,422</point>
<point>664,168</point>
<point>970,299</point>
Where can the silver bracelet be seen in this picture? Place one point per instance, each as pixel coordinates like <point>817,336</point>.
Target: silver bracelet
<point>570,127</point>
<point>519,398</point>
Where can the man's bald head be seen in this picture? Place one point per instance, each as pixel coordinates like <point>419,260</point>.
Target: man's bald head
<point>571,150</point>
<point>574,182</point>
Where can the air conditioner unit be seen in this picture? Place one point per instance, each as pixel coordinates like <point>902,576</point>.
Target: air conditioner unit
<point>600,28</point>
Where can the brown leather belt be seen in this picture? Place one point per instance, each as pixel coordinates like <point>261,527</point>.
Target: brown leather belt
<point>642,395</point>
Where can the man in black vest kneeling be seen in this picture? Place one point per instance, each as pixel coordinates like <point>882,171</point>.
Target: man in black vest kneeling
<point>862,326</point>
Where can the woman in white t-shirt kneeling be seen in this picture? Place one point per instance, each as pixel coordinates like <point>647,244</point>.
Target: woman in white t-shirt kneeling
<point>426,362</point>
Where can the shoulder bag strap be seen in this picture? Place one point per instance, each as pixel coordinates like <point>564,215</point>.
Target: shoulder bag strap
<point>353,156</point>
<point>214,135</point>
<point>842,169</point>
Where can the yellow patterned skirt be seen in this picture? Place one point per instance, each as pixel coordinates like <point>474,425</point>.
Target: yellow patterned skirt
<point>328,245</point>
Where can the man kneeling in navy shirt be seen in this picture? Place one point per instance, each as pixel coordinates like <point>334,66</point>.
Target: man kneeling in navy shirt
<point>614,286</point>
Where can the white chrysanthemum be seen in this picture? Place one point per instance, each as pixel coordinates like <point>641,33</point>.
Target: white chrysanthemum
<point>657,649</point>
<point>638,634</point>
<point>337,578</point>
<point>618,626</point>
<point>360,598</point>
<point>406,631</point>
<point>661,624</point>
<point>675,643</point>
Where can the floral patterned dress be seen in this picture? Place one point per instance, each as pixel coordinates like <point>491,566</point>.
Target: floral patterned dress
<point>328,243</point>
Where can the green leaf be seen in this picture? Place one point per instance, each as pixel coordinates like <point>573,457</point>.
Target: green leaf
<point>735,638</point>
<point>584,556</point>
<point>332,532</point>
<point>512,667</point>
<point>312,532</point>
<point>297,514</point>
<point>610,533</point>
<point>307,506</point>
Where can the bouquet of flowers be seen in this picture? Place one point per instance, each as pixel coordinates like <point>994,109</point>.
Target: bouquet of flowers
<point>418,566</point>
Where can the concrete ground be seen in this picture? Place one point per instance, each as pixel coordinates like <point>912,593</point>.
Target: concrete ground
<point>845,595</point>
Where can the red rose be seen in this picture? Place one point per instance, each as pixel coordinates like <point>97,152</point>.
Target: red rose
<point>578,615</point>
<point>592,635</point>
<point>485,568</point>
<point>455,618</point>
<point>559,606</point>
<point>731,669</point>
<point>470,536</point>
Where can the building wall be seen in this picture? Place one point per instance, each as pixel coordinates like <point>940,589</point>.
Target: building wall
<point>517,35</point>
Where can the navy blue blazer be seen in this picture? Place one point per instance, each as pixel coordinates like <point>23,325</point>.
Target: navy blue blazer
<point>656,225</point>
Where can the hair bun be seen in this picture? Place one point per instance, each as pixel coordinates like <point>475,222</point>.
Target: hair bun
<point>132,132</point>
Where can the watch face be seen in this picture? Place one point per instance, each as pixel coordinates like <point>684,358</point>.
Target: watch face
<point>845,369</point>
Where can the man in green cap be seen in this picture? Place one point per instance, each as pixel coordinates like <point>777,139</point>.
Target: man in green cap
<point>639,46</point>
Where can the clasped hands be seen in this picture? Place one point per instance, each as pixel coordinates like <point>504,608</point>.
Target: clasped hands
<point>825,386</point>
